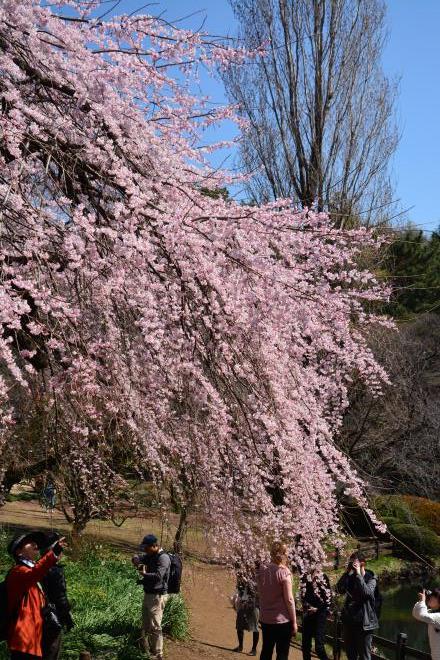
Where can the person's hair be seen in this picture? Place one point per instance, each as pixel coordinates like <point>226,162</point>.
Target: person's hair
<point>435,593</point>
<point>359,556</point>
<point>278,551</point>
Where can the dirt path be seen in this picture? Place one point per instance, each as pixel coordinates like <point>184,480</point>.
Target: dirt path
<point>206,588</point>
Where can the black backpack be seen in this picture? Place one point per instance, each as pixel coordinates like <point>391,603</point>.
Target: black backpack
<point>175,577</point>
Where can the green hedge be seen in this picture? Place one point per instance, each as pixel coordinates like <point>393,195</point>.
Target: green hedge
<point>421,540</point>
<point>394,506</point>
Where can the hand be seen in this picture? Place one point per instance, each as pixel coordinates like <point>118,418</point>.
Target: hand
<point>59,546</point>
<point>357,566</point>
<point>422,596</point>
<point>294,628</point>
<point>312,610</point>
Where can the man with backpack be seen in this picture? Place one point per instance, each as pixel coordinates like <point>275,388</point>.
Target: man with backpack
<point>361,608</point>
<point>154,566</point>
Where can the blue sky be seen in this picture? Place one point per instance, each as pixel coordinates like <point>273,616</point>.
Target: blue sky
<point>412,54</point>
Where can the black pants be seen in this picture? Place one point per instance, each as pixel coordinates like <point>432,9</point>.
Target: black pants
<point>357,642</point>
<point>276,635</point>
<point>52,649</point>
<point>18,655</point>
<point>314,628</point>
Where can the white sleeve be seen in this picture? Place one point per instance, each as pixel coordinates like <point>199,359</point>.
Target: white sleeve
<point>421,613</point>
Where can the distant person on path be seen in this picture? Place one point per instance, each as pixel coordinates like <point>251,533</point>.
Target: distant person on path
<point>25,595</point>
<point>54,587</point>
<point>154,567</point>
<point>430,600</point>
<point>49,498</point>
<point>316,601</point>
<point>246,606</point>
<point>277,606</point>
<point>359,617</point>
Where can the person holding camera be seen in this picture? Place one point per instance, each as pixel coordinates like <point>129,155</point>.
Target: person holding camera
<point>430,600</point>
<point>359,615</point>
<point>55,589</point>
<point>26,600</point>
<point>154,568</point>
<point>316,598</point>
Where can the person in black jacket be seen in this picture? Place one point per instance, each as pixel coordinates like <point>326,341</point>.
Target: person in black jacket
<point>54,586</point>
<point>359,617</point>
<point>316,598</point>
<point>154,567</point>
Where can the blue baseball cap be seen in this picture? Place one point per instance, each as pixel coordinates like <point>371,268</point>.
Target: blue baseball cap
<point>149,540</point>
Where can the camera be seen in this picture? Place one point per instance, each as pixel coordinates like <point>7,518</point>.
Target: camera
<point>427,591</point>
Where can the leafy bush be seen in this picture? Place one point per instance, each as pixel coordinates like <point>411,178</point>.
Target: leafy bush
<point>390,522</point>
<point>24,496</point>
<point>106,606</point>
<point>421,540</point>
<point>395,506</point>
<point>426,510</point>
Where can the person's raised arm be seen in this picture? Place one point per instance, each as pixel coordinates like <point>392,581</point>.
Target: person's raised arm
<point>342,583</point>
<point>24,577</point>
<point>421,612</point>
<point>163,565</point>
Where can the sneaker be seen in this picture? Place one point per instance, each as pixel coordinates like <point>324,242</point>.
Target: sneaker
<point>239,649</point>
<point>253,652</point>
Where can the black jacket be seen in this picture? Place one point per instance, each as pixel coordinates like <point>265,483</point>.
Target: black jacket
<point>54,585</point>
<point>157,573</point>
<point>316,594</point>
<point>360,604</point>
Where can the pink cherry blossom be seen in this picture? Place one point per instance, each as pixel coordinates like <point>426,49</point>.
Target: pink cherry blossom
<point>207,343</point>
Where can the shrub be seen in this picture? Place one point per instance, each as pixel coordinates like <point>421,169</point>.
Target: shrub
<point>390,522</point>
<point>421,540</point>
<point>394,506</point>
<point>426,510</point>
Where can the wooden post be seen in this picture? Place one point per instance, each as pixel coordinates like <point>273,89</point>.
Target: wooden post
<point>376,543</point>
<point>337,558</point>
<point>401,646</point>
<point>337,631</point>
<point>85,655</point>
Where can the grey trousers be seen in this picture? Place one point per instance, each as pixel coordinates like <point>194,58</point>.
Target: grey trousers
<point>152,613</point>
<point>357,642</point>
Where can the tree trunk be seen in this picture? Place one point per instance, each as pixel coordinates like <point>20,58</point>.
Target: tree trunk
<point>180,532</point>
<point>78,527</point>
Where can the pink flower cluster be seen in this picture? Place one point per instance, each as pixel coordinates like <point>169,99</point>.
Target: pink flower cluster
<point>209,343</point>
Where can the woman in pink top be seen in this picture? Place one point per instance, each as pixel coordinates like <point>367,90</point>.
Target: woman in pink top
<point>277,606</point>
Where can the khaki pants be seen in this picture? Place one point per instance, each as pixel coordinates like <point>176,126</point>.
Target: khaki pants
<point>152,613</point>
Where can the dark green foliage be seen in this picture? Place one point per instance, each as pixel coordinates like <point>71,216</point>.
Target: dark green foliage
<point>421,540</point>
<point>26,496</point>
<point>395,508</point>
<point>107,605</point>
<point>414,266</point>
